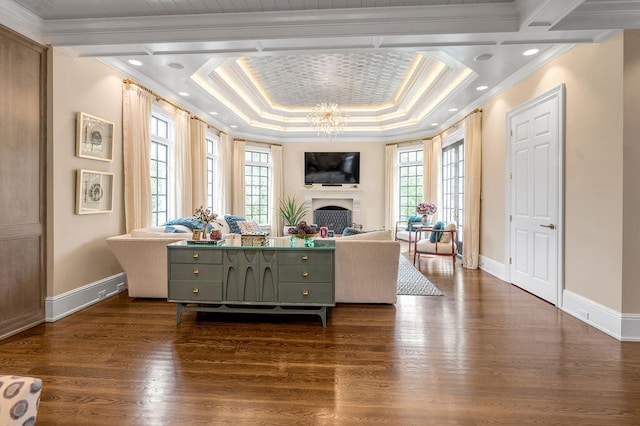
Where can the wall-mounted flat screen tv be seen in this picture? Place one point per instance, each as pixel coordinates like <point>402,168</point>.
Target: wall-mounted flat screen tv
<point>331,168</point>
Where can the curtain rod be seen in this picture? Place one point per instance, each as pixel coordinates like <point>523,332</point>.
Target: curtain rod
<point>437,134</point>
<point>260,142</point>
<point>165,100</point>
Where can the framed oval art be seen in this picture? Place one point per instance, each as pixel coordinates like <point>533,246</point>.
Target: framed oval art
<point>94,137</point>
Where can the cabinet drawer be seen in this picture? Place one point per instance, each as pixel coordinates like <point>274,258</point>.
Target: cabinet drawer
<point>306,257</point>
<point>306,293</point>
<point>198,291</point>
<point>195,255</point>
<point>195,271</point>
<point>305,273</point>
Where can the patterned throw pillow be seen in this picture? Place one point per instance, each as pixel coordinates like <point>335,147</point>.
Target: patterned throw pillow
<point>249,227</point>
<point>232,221</point>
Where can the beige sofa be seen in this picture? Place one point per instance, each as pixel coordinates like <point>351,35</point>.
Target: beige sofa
<point>367,268</point>
<point>366,265</point>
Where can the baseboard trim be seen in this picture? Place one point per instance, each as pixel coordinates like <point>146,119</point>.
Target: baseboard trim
<point>631,327</point>
<point>624,327</point>
<point>58,307</point>
<point>492,267</point>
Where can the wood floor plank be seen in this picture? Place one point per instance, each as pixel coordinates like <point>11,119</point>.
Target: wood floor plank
<point>484,353</point>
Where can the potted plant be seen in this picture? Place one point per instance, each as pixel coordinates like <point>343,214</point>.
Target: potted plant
<point>292,212</point>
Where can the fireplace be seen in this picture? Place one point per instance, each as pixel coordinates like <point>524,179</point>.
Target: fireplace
<point>343,198</point>
<point>335,218</point>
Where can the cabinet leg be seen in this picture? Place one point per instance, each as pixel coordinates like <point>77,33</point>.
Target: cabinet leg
<point>178,312</point>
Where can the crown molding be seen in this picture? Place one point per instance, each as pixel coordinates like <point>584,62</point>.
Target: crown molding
<point>473,18</point>
<point>21,20</point>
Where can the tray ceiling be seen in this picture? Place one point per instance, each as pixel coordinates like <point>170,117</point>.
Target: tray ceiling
<point>403,68</point>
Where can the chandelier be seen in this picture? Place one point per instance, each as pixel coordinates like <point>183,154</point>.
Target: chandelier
<point>328,119</point>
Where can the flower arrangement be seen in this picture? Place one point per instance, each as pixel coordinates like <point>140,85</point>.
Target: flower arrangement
<point>205,216</point>
<point>426,208</point>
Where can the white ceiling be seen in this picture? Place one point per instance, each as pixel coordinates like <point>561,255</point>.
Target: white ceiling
<point>398,66</point>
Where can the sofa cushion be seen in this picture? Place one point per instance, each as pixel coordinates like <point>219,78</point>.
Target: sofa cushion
<point>436,235</point>
<point>232,221</point>
<point>384,235</point>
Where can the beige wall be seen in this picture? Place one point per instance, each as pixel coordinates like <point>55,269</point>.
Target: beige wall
<point>631,187</point>
<point>593,166</point>
<point>78,254</point>
<point>371,174</point>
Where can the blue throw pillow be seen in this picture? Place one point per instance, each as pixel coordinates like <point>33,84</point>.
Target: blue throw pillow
<point>412,219</point>
<point>351,231</point>
<point>434,235</point>
<point>173,230</point>
<point>190,222</point>
<point>232,221</point>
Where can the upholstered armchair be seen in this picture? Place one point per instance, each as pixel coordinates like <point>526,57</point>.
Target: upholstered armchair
<point>441,242</point>
<point>19,400</point>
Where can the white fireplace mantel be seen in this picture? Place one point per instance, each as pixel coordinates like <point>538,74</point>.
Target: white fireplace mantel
<point>326,194</point>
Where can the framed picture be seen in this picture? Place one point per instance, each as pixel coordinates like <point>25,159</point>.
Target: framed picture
<point>94,192</point>
<point>94,137</point>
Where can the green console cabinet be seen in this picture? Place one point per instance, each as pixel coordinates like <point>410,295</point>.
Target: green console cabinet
<point>281,278</point>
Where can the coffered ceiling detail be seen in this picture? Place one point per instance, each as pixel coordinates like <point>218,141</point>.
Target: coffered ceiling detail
<point>403,68</point>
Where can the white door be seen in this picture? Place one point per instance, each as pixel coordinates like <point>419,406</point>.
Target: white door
<point>535,139</point>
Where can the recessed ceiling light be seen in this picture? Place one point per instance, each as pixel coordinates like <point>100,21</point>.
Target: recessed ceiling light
<point>175,65</point>
<point>434,124</point>
<point>530,52</point>
<point>135,62</point>
<point>481,88</point>
<point>213,113</point>
<point>183,94</point>
<point>453,109</point>
<point>233,126</point>
<point>483,57</point>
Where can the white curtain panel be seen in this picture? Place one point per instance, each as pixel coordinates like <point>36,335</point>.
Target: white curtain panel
<point>136,147</point>
<point>391,202</point>
<point>426,175</point>
<point>277,186</point>
<point>183,167</point>
<point>435,172</point>
<point>472,187</point>
<point>198,163</point>
<point>223,188</point>
<point>238,177</point>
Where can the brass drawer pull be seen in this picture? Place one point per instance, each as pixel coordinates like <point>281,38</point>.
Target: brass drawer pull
<point>305,257</point>
<point>196,255</point>
<point>305,292</point>
<point>196,290</point>
<point>196,271</point>
<point>305,274</point>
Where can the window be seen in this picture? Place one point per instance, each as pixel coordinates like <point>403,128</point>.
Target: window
<point>410,174</point>
<point>212,159</point>
<point>256,177</point>
<point>453,186</point>
<point>161,130</point>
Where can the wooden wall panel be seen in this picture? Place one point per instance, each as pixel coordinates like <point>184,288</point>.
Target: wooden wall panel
<point>22,177</point>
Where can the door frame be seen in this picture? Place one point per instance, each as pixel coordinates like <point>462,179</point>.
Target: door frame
<point>557,94</point>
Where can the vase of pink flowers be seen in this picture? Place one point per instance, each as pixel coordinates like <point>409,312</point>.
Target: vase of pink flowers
<point>427,210</point>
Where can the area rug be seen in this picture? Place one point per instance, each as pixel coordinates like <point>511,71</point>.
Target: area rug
<point>411,282</point>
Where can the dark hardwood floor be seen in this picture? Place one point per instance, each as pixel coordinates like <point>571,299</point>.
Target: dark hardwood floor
<point>484,353</point>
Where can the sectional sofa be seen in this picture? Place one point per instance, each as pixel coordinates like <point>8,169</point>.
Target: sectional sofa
<point>366,265</point>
